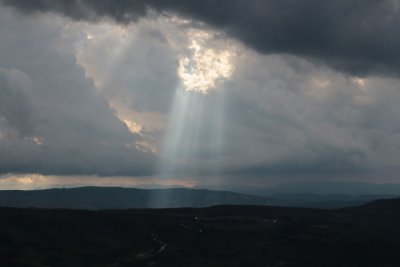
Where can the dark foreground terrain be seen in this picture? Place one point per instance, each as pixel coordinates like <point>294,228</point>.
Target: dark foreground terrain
<point>231,236</point>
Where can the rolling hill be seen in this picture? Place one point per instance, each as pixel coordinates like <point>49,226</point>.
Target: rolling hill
<point>124,198</point>
<point>234,236</point>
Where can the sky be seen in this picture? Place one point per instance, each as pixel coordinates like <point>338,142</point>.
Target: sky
<point>196,93</point>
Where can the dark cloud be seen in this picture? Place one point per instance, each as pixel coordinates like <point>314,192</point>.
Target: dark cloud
<point>122,11</point>
<point>358,37</point>
<point>278,116</point>
<point>15,100</point>
<point>52,118</point>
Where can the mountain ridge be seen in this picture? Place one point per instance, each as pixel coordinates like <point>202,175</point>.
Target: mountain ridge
<point>91,197</point>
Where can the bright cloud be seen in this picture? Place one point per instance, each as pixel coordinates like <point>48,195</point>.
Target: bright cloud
<point>202,68</point>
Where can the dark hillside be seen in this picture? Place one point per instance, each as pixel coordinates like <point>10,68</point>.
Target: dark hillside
<point>217,236</point>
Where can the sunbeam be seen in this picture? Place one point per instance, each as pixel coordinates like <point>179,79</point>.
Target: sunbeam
<point>197,115</point>
<point>195,133</point>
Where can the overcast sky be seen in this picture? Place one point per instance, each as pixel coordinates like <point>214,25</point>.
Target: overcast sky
<point>190,93</point>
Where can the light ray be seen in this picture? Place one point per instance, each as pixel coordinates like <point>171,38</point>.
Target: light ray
<point>195,131</point>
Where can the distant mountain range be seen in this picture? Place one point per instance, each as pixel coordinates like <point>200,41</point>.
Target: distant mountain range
<point>337,187</point>
<point>95,198</point>
<point>125,198</point>
<point>316,188</point>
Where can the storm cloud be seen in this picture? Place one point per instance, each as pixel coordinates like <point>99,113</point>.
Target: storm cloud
<point>52,119</point>
<point>93,88</point>
<point>357,37</point>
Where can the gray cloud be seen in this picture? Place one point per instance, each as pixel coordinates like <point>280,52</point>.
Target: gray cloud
<point>311,120</point>
<point>15,100</point>
<point>52,118</point>
<point>144,77</point>
<point>358,37</point>
<point>282,115</point>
